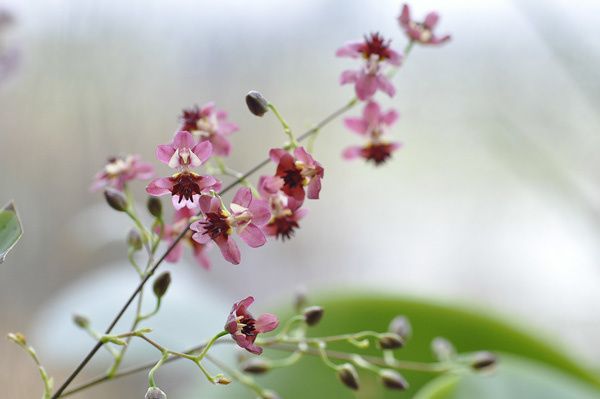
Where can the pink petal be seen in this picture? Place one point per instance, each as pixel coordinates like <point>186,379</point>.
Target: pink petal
<point>269,185</point>
<point>247,343</point>
<point>207,182</point>
<point>203,150</point>
<point>358,125</point>
<point>389,117</point>
<point>221,145</point>
<point>351,50</point>
<point>266,322</point>
<point>229,249</point>
<point>348,77</point>
<point>243,197</point>
<point>404,18</point>
<point>244,304</point>
<point>175,255</point>
<point>261,212</point>
<point>314,188</point>
<point>386,86</point>
<point>252,235</point>
<point>164,152</point>
<point>226,128</point>
<point>183,139</point>
<point>431,20</point>
<point>394,58</point>
<point>200,256</point>
<point>372,113</point>
<point>303,156</point>
<point>352,152</point>
<point>144,170</point>
<point>439,40</point>
<point>276,154</point>
<point>207,109</point>
<point>160,186</point>
<point>366,86</point>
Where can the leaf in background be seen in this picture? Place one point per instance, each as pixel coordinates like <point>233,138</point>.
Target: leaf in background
<point>10,229</point>
<point>515,378</point>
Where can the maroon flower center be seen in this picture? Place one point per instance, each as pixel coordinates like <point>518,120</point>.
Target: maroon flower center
<point>376,45</point>
<point>249,328</point>
<point>377,153</point>
<point>216,225</point>
<point>190,118</point>
<point>284,227</point>
<point>292,178</point>
<point>186,185</point>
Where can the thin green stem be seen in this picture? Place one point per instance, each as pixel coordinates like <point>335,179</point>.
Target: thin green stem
<point>151,381</point>
<point>286,128</point>
<point>210,344</point>
<point>243,379</point>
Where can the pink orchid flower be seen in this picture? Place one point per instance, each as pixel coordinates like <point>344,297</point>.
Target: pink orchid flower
<point>184,152</point>
<point>171,231</point>
<point>297,171</point>
<point>375,52</point>
<point>373,120</point>
<point>185,188</point>
<point>421,32</point>
<point>244,328</point>
<point>286,212</point>
<point>210,124</point>
<point>245,216</point>
<point>120,170</point>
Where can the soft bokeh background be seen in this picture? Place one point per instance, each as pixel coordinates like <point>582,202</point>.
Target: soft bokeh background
<point>494,201</point>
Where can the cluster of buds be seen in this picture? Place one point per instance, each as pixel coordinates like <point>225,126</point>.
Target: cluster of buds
<point>377,55</point>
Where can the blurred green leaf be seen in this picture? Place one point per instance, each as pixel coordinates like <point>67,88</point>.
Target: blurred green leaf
<point>468,330</point>
<point>10,229</point>
<point>515,378</point>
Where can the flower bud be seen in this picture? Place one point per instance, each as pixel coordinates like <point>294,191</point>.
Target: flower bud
<point>256,103</point>
<point>161,284</point>
<point>155,393</point>
<point>483,361</point>
<point>154,206</point>
<point>393,380</point>
<point>134,240</point>
<point>348,375</point>
<point>300,299</point>
<point>390,341</point>
<point>81,321</point>
<point>442,349</point>
<point>313,315</point>
<point>222,380</point>
<point>268,394</point>
<point>116,199</point>
<point>256,366</point>
<point>400,325</point>
<point>17,338</point>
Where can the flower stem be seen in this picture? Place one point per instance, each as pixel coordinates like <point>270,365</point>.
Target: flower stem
<point>286,128</point>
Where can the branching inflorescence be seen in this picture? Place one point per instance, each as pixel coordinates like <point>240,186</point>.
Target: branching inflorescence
<point>274,208</point>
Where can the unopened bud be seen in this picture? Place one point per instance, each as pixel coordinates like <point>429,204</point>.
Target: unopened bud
<point>313,315</point>
<point>155,393</point>
<point>393,380</point>
<point>116,199</point>
<point>81,321</point>
<point>390,341</point>
<point>268,394</point>
<point>154,207</point>
<point>256,103</point>
<point>161,284</point>
<point>443,349</point>
<point>483,361</point>
<point>17,338</point>
<point>222,380</point>
<point>400,325</point>
<point>134,240</point>
<point>348,375</point>
<point>300,299</point>
<point>256,366</point>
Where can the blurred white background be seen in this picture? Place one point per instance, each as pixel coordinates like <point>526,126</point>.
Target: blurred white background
<point>494,201</point>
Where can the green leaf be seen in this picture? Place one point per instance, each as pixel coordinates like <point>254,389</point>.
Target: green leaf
<point>469,330</point>
<point>515,378</point>
<point>10,229</point>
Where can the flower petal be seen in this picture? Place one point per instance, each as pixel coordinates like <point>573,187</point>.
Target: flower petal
<point>183,139</point>
<point>352,152</point>
<point>314,188</point>
<point>252,235</point>
<point>203,150</point>
<point>164,152</point>
<point>229,249</point>
<point>358,125</point>
<point>266,322</point>
<point>243,197</point>
<point>160,186</point>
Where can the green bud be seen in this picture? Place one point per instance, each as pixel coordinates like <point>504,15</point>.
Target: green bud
<point>81,321</point>
<point>256,103</point>
<point>161,284</point>
<point>312,315</point>
<point>113,340</point>
<point>134,240</point>
<point>155,393</point>
<point>154,207</point>
<point>484,361</point>
<point>393,380</point>
<point>116,199</point>
<point>17,338</point>
<point>443,349</point>
<point>256,366</point>
<point>348,375</point>
<point>390,341</point>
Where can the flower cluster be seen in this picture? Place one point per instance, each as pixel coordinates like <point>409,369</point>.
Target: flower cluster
<point>376,54</point>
